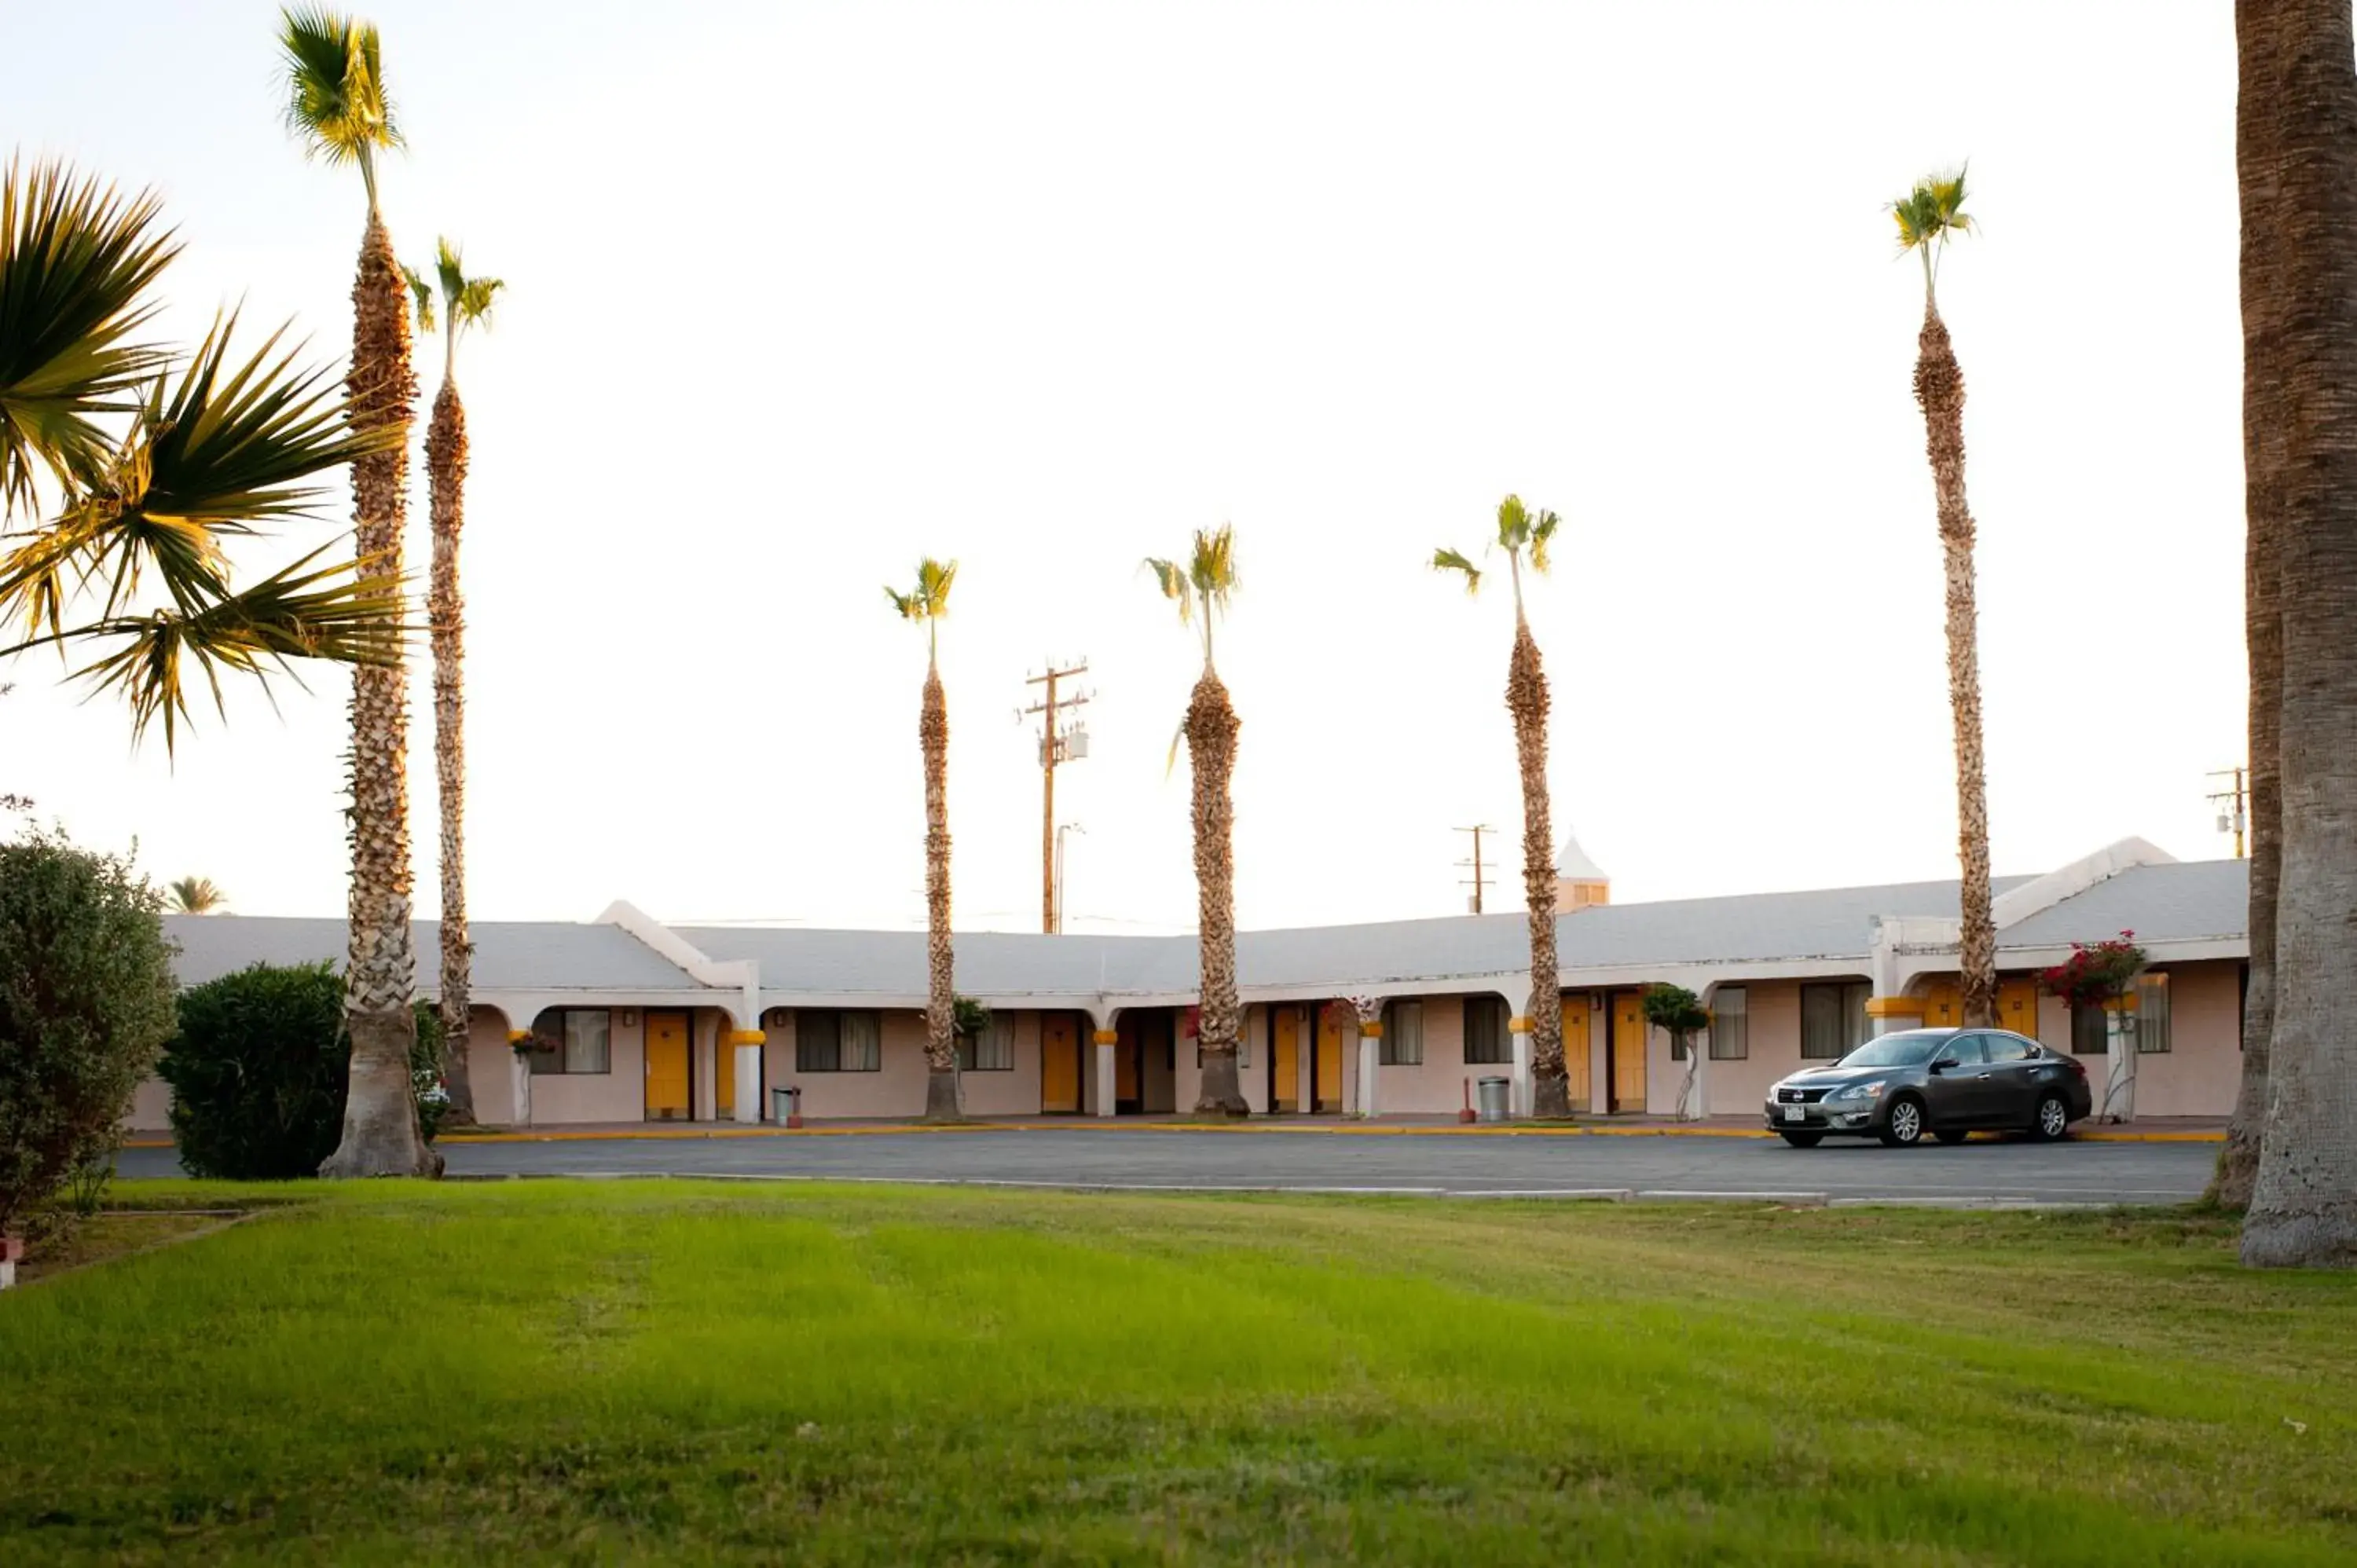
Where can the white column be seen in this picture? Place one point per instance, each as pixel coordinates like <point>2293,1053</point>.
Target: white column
<point>2119,1080</point>
<point>746,1064</point>
<point>1108,1079</point>
<point>519,1081</point>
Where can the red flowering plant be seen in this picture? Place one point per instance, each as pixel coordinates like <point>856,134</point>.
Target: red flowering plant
<point>2095,974</point>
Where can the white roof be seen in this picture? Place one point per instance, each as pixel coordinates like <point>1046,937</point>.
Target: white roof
<point>1573,865</point>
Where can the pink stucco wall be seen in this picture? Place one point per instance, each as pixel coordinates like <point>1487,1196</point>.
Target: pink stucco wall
<point>491,1067</point>
<point>618,1094</point>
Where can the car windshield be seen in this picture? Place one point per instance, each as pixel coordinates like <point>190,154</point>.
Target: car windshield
<point>1895,1050</point>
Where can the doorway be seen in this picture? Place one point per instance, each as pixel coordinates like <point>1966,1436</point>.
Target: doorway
<point>1285,1059</point>
<point>1326,1066</point>
<point>1060,1063</point>
<point>668,1079</point>
<point>1575,1053</point>
<point>1625,1067</point>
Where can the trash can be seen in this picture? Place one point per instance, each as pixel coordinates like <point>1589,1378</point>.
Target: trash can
<point>786,1105</point>
<point>1493,1096</point>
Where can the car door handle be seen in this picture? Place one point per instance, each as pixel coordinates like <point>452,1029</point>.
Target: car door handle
<point>1982,1076</point>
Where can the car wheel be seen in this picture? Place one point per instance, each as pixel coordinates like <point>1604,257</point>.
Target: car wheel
<point>1951,1134</point>
<point>1803,1140</point>
<point>2053,1119</point>
<point>1902,1125</point>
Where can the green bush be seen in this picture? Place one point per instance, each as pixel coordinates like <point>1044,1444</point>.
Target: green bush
<point>85,999</point>
<point>259,1068</point>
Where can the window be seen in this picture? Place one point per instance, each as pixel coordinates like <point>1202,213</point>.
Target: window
<point>584,1037</point>
<point>839,1042</point>
<point>2087,1039</point>
<point>1964,1050</point>
<point>993,1050</point>
<point>1730,1023</point>
<point>1833,1019</point>
<point>2009,1048</point>
<point>1402,1039</point>
<point>1485,1032</point>
<point>2152,1014</point>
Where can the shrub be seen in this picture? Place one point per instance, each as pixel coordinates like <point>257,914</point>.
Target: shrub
<point>85,1000</point>
<point>259,1070</point>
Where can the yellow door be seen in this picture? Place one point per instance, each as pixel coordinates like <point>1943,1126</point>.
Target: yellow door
<point>1574,1048</point>
<point>2016,1007</point>
<point>724,1076</point>
<point>1944,1006</point>
<point>667,1067</point>
<point>1326,1090</point>
<point>1124,1068</point>
<point>1628,1051</point>
<point>1060,1063</point>
<point>1286,1059</point>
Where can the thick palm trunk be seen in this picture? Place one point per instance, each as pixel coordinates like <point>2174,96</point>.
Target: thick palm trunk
<point>1526,699</point>
<point>2257,149</point>
<point>380,1134</point>
<point>1212,726</point>
<point>1940,389</point>
<point>2297,55</point>
<point>445,469</point>
<point>941,1099</point>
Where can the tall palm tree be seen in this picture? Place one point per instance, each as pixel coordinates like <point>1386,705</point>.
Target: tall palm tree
<point>928,602</point>
<point>1928,216</point>
<point>1201,587</point>
<point>125,467</point>
<point>1523,535</point>
<point>195,895</point>
<point>337,106</point>
<point>466,302</point>
<point>2257,150</point>
<point>2297,170</point>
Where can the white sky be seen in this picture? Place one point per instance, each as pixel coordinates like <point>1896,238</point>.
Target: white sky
<point>798,294</point>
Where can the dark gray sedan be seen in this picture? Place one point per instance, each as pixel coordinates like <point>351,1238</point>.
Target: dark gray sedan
<point>1947,1082</point>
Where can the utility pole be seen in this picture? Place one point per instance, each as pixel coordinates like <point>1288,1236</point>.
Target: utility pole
<point>1478,881</point>
<point>1057,743</point>
<point>2239,820</point>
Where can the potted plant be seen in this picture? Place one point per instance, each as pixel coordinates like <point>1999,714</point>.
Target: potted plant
<point>2104,975</point>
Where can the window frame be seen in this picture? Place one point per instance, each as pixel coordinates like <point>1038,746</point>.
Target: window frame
<point>803,1063</point>
<point>560,1060</point>
<point>969,1046</point>
<point>1389,1055</point>
<point>1495,1007</point>
<point>1841,990</point>
<point>1742,1040</point>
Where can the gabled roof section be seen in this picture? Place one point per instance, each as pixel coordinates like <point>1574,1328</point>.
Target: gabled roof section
<point>1573,865</point>
<point>2188,901</point>
<point>2018,904</point>
<point>510,955</point>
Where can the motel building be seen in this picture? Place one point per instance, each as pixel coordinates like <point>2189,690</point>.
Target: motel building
<point>625,1019</point>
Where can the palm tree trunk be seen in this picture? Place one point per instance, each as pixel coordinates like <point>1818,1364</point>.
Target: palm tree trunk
<point>1940,389</point>
<point>380,1134</point>
<point>446,468</point>
<point>2257,149</point>
<point>941,1099</point>
<point>2299,56</point>
<point>1212,726</point>
<point>1526,699</point>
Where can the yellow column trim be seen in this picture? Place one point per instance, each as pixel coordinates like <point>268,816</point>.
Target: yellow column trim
<point>518,1037</point>
<point>1371,1031</point>
<point>2121,1003</point>
<point>1108,1036</point>
<point>1518,1025</point>
<point>1894,1006</point>
<point>747,1037</point>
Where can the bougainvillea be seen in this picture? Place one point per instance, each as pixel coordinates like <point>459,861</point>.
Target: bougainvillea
<point>2094,975</point>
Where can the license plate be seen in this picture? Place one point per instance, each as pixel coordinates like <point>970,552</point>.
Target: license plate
<point>1795,1113</point>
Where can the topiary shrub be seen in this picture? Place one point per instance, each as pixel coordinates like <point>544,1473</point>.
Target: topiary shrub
<point>85,1000</point>
<point>259,1068</point>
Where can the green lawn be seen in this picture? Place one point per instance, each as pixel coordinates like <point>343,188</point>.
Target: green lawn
<point>673,1371</point>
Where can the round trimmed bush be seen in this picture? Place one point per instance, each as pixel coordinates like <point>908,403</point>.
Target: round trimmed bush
<point>85,999</point>
<point>259,1068</point>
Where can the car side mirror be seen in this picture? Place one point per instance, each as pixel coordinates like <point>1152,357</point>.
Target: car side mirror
<point>1943,1064</point>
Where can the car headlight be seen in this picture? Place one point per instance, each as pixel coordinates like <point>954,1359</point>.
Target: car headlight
<point>1860,1090</point>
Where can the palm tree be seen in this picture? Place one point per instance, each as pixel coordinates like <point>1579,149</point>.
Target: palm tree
<point>466,302</point>
<point>1524,535</point>
<point>130,464</point>
<point>1201,589</point>
<point>2297,170</point>
<point>337,106</point>
<point>195,895</point>
<point>1927,217</point>
<point>928,602</point>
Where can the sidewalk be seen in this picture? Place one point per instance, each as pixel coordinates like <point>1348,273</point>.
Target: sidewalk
<point>2151,1130</point>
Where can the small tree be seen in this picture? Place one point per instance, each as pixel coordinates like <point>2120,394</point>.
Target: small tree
<point>261,1066</point>
<point>2101,975</point>
<point>85,1000</point>
<point>1679,1013</point>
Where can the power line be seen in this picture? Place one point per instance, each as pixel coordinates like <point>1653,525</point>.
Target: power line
<point>2238,820</point>
<point>1067,744</point>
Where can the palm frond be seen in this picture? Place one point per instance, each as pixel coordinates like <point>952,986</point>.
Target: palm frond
<point>1513,524</point>
<point>1213,566</point>
<point>424,291</point>
<point>195,895</point>
<point>1170,762</point>
<point>474,306</point>
<point>1543,529</point>
<point>336,105</point>
<point>934,580</point>
<point>1933,211</point>
<point>1445,560</point>
<point>229,448</point>
<point>77,260</point>
<point>345,611</point>
<point>906,604</point>
<point>1175,585</point>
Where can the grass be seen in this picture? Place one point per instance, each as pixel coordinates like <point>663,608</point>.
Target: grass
<point>684,1372</point>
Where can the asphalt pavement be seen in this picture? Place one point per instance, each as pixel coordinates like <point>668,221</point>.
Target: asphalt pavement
<point>2008,1172</point>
